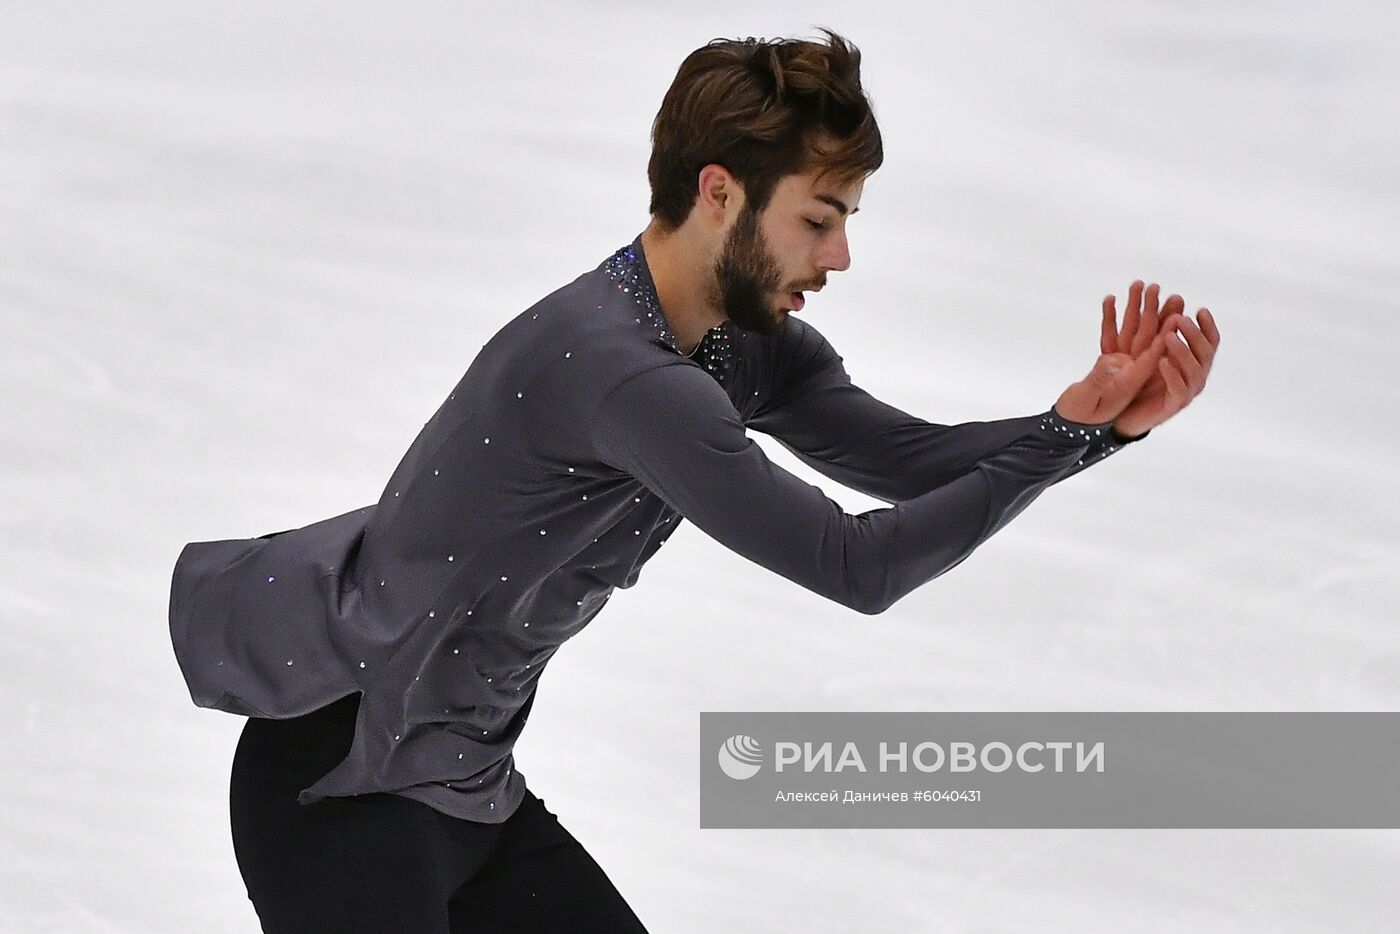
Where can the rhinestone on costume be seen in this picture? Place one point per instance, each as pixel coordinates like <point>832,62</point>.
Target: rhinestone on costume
<point>627,269</point>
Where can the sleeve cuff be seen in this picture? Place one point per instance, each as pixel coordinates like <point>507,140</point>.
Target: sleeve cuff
<point>1052,424</point>
<point>1121,440</point>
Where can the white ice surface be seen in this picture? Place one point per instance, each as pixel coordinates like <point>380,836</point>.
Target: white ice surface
<point>246,249</point>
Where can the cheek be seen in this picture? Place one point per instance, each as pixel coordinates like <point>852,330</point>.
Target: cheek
<point>783,256</point>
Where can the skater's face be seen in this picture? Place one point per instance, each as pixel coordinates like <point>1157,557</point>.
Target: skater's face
<point>769,257</point>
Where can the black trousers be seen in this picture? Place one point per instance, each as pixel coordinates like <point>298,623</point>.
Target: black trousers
<point>385,864</point>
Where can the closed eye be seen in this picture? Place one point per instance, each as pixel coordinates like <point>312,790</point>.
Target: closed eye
<point>816,225</point>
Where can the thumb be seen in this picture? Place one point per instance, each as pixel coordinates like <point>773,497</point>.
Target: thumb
<point>1139,370</point>
<point>1106,368</point>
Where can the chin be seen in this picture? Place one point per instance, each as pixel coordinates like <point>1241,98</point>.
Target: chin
<point>776,322</point>
<point>767,321</point>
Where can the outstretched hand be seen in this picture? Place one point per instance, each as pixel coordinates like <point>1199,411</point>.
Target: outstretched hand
<point>1180,373</point>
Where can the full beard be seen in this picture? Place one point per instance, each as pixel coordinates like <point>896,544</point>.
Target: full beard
<point>745,278</point>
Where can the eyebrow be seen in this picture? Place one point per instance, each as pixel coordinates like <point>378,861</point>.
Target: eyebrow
<point>837,203</point>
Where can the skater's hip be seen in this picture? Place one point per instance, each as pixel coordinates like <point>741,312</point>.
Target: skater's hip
<point>298,749</point>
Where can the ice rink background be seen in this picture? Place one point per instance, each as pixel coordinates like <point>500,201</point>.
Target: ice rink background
<point>246,250</point>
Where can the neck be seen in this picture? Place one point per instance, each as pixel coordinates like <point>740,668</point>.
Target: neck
<point>679,263</point>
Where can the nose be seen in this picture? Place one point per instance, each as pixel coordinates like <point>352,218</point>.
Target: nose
<point>837,253</point>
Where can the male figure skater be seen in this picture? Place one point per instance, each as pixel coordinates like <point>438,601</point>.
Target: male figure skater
<point>387,658</point>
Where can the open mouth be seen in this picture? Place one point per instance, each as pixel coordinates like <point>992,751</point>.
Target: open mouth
<point>797,300</point>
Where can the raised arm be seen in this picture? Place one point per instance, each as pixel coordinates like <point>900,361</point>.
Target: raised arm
<point>868,445</point>
<point>675,430</point>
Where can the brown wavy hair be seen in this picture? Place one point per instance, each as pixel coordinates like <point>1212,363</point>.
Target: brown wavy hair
<point>761,108</point>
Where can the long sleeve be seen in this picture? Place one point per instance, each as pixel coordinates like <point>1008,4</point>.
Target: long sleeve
<point>674,429</point>
<point>868,445</point>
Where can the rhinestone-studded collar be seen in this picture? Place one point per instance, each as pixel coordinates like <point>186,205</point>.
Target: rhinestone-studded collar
<point>628,269</point>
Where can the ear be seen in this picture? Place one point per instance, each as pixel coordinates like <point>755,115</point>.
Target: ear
<point>720,193</point>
